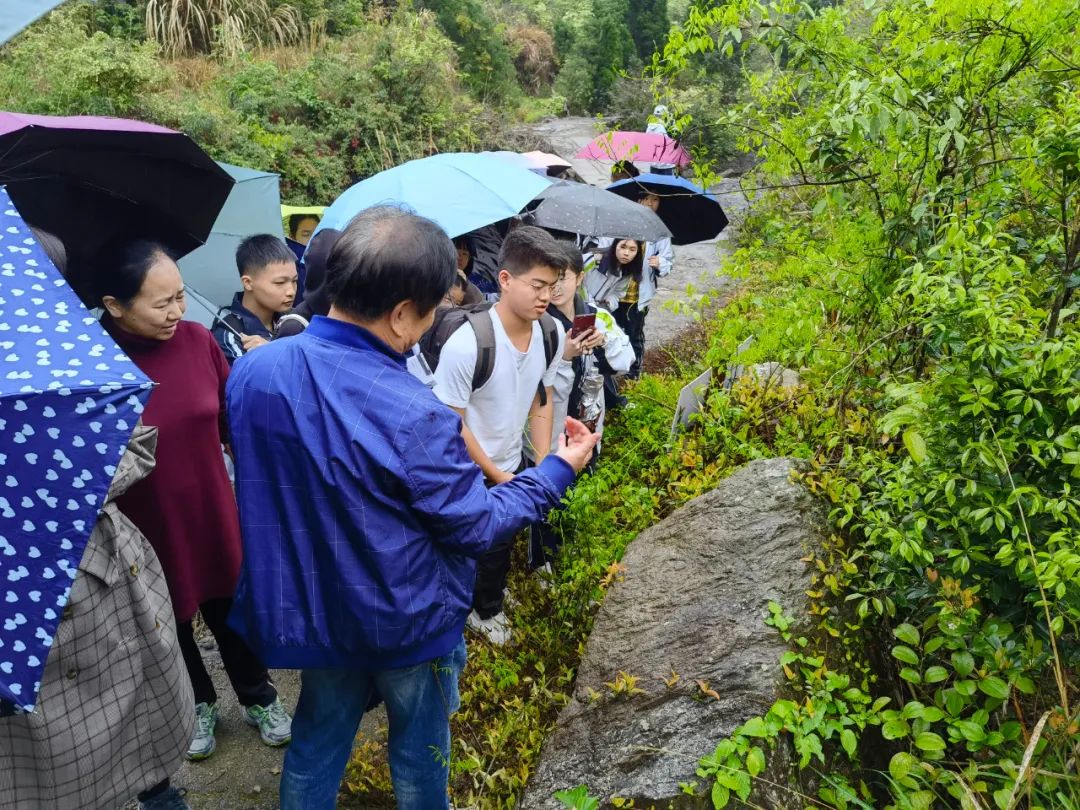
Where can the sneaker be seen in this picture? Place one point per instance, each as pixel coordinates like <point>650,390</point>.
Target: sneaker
<point>273,722</point>
<point>496,629</point>
<point>169,799</point>
<point>203,742</point>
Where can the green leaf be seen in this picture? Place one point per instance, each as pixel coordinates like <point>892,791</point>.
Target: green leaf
<point>929,741</point>
<point>905,654</point>
<point>895,729</point>
<point>911,675</point>
<point>970,730</point>
<point>936,675</point>
<point>907,633</point>
<point>963,663</point>
<point>994,687</point>
<point>578,798</point>
<point>755,761</point>
<point>849,741</point>
<point>901,765</point>
<point>754,727</point>
<point>720,796</point>
<point>915,445</point>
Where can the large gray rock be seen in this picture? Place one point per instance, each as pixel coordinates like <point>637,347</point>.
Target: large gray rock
<point>692,600</point>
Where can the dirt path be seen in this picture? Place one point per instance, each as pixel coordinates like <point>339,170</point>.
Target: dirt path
<point>698,267</point>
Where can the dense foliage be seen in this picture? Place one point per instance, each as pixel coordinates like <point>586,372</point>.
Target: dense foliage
<point>321,116</point>
<point>921,216</point>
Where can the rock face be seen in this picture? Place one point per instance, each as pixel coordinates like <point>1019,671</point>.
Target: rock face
<point>692,601</point>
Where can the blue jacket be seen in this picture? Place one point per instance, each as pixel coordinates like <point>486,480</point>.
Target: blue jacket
<point>362,513</point>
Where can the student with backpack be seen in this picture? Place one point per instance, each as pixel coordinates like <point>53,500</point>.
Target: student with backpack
<point>496,368</point>
<point>590,354</point>
<point>268,275</point>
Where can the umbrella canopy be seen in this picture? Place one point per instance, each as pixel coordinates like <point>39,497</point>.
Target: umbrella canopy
<point>253,207</point>
<point>648,147</point>
<point>125,178</point>
<point>551,164</point>
<point>592,211</point>
<point>461,192</point>
<point>69,399</point>
<point>15,15</point>
<point>689,211</point>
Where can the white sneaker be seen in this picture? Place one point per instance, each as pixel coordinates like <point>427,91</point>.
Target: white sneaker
<point>497,629</point>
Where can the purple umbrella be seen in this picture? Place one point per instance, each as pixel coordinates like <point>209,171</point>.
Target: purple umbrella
<point>88,180</point>
<point>648,147</point>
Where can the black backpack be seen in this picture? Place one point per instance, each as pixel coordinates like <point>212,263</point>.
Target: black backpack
<point>449,319</point>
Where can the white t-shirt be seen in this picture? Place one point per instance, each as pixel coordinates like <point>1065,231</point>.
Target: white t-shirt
<point>498,411</point>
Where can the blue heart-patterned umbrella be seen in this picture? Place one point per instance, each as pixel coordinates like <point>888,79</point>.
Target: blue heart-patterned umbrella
<point>689,211</point>
<point>69,400</point>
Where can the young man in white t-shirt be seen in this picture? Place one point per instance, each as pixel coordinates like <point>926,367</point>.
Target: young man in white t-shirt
<point>498,414</point>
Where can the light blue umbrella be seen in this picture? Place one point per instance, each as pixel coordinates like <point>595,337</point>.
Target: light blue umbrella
<point>69,399</point>
<point>253,206</point>
<point>15,15</point>
<point>460,191</point>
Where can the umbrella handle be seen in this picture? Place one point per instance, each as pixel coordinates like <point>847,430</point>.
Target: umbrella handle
<point>207,304</point>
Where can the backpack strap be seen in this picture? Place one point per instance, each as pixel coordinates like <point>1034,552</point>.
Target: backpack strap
<point>485,347</point>
<point>550,333</point>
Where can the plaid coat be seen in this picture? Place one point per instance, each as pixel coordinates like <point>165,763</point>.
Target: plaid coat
<point>115,711</point>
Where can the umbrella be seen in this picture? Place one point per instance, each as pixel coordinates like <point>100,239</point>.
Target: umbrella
<point>253,207</point>
<point>551,164</point>
<point>15,15</point>
<point>124,178</point>
<point>650,147</point>
<point>69,399</point>
<point>592,211</point>
<point>459,191</point>
<point>689,211</point>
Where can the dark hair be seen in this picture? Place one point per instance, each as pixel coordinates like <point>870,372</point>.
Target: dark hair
<point>256,253</point>
<point>574,262</point>
<point>387,255</point>
<point>318,251</point>
<point>296,219</point>
<point>527,246</point>
<point>610,263</point>
<point>624,167</point>
<point>120,268</point>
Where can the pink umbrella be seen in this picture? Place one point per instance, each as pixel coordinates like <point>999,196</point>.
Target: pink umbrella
<point>647,147</point>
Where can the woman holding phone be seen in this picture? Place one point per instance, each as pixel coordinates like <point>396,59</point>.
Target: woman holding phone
<point>595,347</point>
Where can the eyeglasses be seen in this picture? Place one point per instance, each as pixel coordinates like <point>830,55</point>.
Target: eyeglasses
<point>538,287</point>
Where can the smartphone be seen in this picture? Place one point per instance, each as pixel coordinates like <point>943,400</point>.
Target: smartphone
<point>583,323</point>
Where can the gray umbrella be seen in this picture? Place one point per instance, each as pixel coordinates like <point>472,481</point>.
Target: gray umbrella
<point>592,211</point>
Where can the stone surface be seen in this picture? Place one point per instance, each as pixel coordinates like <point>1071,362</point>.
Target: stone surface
<point>691,602</point>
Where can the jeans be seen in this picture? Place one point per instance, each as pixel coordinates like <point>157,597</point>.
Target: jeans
<point>419,702</point>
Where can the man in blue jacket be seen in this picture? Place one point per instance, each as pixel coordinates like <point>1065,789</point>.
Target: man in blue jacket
<point>363,515</point>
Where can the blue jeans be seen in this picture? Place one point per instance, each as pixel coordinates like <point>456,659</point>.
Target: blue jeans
<point>419,702</point>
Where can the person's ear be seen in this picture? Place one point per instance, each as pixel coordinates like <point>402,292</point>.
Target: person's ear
<point>245,282</point>
<point>504,278</point>
<point>112,306</point>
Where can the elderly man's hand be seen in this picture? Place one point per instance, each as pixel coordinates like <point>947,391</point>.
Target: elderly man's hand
<point>576,444</point>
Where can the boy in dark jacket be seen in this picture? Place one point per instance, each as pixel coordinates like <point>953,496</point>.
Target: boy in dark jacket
<point>268,274</point>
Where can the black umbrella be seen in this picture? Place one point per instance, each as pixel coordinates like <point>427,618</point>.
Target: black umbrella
<point>689,211</point>
<point>592,211</point>
<point>91,180</point>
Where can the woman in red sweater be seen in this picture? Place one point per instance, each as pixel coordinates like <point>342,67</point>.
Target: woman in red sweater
<point>186,507</point>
